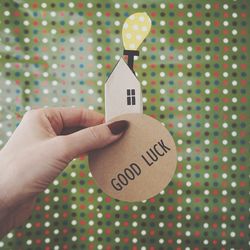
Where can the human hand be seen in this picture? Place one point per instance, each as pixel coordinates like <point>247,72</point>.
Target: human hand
<point>40,148</point>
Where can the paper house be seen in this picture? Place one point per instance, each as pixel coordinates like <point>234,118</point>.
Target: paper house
<point>122,92</point>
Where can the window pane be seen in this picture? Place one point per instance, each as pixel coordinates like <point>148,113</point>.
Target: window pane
<point>128,91</point>
<point>128,101</point>
<point>133,100</point>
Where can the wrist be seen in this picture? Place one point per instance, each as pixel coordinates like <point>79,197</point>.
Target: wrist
<point>5,190</point>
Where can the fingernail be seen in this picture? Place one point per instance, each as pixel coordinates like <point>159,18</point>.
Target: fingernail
<point>118,127</point>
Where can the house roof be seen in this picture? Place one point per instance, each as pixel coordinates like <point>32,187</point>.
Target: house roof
<point>123,70</point>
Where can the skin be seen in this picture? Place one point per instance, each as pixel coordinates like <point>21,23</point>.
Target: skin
<point>40,148</point>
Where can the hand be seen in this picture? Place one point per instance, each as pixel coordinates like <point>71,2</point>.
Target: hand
<point>40,148</point>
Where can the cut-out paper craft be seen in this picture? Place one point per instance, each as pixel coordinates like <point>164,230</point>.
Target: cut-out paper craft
<point>122,89</point>
<point>140,164</point>
<point>135,30</point>
<point>122,92</point>
<point>143,161</point>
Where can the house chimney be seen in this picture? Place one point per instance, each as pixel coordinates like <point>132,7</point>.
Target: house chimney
<point>131,54</point>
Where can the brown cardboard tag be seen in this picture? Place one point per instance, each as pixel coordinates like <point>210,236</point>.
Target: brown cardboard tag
<point>140,164</point>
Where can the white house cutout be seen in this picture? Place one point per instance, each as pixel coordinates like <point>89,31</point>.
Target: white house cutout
<point>122,92</point>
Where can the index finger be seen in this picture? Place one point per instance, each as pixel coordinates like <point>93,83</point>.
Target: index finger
<point>74,117</point>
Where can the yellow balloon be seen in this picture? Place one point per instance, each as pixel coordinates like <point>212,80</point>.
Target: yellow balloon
<point>135,29</point>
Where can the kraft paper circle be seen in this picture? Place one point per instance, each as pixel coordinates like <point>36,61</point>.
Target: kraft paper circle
<point>140,164</point>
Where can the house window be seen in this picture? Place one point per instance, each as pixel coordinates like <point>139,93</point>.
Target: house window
<point>130,96</point>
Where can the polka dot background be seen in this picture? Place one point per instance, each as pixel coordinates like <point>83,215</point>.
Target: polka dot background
<point>193,70</point>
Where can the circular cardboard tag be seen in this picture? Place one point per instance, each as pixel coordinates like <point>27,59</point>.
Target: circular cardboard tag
<point>140,164</point>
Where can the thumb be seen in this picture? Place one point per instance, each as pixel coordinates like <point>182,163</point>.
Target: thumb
<point>88,139</point>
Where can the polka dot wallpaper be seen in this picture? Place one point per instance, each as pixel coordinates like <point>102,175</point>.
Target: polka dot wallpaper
<point>194,76</point>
